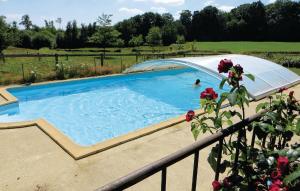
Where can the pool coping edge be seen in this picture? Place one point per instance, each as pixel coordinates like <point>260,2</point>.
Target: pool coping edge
<point>77,151</point>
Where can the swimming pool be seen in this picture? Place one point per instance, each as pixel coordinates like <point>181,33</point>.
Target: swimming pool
<point>93,110</point>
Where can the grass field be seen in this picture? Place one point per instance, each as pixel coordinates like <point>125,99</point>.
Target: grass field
<point>46,69</point>
<point>242,47</point>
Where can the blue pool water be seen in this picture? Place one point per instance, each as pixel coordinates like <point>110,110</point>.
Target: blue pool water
<point>93,110</point>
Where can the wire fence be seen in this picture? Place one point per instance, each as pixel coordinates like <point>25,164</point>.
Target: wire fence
<point>28,68</point>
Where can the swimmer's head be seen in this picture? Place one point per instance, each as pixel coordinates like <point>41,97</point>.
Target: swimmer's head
<point>197,82</point>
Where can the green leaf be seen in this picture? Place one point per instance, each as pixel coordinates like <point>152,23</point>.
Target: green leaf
<point>212,157</point>
<point>232,98</point>
<point>195,130</point>
<point>239,115</point>
<point>229,122</point>
<point>288,180</point>
<point>261,106</point>
<point>227,114</point>
<point>266,127</point>
<point>222,83</point>
<point>250,76</point>
<point>297,130</point>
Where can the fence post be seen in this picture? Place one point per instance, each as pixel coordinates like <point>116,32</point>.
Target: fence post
<point>39,58</point>
<point>95,64</point>
<point>23,73</point>
<point>102,60</point>
<point>3,57</point>
<point>121,64</point>
<point>56,59</point>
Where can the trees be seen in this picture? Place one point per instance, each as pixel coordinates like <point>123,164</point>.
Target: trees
<point>136,41</point>
<point>106,35</point>
<point>247,21</point>
<point>59,21</point>
<point>186,20</point>
<point>283,19</point>
<point>154,36</point>
<point>208,24</point>
<point>42,39</point>
<point>26,22</point>
<point>3,34</point>
<point>279,21</point>
<point>169,34</point>
<point>71,35</point>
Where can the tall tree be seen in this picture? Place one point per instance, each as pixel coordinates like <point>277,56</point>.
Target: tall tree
<point>169,34</point>
<point>283,19</point>
<point>26,22</point>
<point>136,41</point>
<point>106,35</point>
<point>208,24</point>
<point>3,34</point>
<point>154,36</point>
<point>59,21</point>
<point>186,21</point>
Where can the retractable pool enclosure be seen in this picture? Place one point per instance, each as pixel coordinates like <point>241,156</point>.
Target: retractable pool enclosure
<point>269,76</point>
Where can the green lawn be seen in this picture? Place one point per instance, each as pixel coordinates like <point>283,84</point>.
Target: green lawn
<point>11,70</point>
<point>240,47</point>
<point>234,47</point>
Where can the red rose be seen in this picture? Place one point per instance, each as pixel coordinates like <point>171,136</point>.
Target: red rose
<point>277,182</point>
<point>216,185</point>
<point>189,116</point>
<point>239,69</point>
<point>224,66</point>
<point>282,89</point>
<point>231,74</point>
<point>209,93</point>
<point>274,187</point>
<point>227,183</point>
<point>291,94</point>
<point>276,174</point>
<point>282,163</point>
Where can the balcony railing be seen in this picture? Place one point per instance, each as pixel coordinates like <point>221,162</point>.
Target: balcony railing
<point>193,149</point>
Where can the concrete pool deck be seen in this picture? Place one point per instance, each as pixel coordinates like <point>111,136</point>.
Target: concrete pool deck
<point>30,160</point>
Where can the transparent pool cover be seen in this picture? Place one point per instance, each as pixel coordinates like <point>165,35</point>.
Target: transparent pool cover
<point>269,76</point>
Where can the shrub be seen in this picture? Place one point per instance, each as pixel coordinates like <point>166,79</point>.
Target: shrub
<point>136,41</point>
<point>25,40</point>
<point>42,39</point>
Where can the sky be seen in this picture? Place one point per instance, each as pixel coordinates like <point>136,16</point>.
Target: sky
<point>87,11</point>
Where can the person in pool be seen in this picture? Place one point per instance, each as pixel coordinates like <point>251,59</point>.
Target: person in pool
<point>197,83</point>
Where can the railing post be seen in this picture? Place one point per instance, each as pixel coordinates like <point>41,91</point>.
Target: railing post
<point>195,170</point>
<point>219,159</point>
<point>163,179</point>
<point>237,153</point>
<point>253,138</point>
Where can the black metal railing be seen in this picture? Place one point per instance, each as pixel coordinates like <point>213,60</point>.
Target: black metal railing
<point>193,149</point>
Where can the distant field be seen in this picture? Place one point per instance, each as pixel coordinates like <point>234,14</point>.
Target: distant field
<point>234,47</point>
<point>240,47</point>
<point>11,70</point>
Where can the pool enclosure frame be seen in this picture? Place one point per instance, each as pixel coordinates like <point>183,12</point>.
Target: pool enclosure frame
<point>269,76</point>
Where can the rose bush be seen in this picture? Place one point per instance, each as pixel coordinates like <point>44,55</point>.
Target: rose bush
<point>262,168</point>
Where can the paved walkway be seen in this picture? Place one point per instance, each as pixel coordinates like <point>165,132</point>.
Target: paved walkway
<point>31,161</point>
